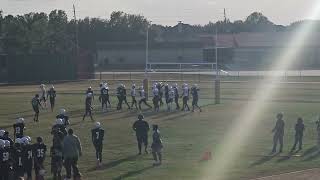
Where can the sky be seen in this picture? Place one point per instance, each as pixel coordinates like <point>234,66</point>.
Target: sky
<point>169,12</point>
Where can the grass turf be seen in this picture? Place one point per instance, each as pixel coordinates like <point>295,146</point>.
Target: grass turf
<point>186,135</point>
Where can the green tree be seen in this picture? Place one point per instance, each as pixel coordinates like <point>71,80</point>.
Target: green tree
<point>58,38</point>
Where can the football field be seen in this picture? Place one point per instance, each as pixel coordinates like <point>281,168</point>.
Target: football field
<point>186,136</point>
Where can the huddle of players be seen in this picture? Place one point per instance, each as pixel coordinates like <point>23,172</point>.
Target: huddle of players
<point>171,94</point>
<point>18,158</point>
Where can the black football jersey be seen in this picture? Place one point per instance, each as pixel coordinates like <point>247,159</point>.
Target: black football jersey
<point>97,135</point>
<point>39,151</point>
<point>4,156</point>
<point>18,158</point>
<point>28,154</point>
<point>18,129</point>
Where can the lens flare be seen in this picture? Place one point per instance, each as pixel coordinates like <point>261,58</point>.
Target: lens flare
<point>236,139</point>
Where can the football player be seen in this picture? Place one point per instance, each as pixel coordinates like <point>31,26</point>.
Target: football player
<point>141,128</point>
<point>35,105</point>
<point>18,157</point>
<point>170,99</point>
<point>176,95</point>
<point>185,97</point>
<point>104,96</point>
<point>133,96</point>
<point>156,98</point>
<point>97,139</point>
<point>4,160</point>
<point>65,119</point>
<point>195,97</point>
<point>124,95</point>
<point>27,149</point>
<point>89,90</point>
<point>88,106</point>
<point>43,95</point>
<point>156,145</point>
<point>119,96</point>
<point>143,98</point>
<point>59,126</point>
<point>52,97</point>
<point>159,87</point>
<point>39,151</point>
<point>18,128</point>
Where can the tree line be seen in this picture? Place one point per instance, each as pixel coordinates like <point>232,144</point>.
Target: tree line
<point>55,33</point>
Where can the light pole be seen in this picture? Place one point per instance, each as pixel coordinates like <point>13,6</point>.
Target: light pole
<point>146,81</point>
<point>216,49</point>
<point>217,80</point>
<point>147,49</point>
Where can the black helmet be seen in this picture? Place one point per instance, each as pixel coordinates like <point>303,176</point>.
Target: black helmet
<point>155,127</point>
<point>279,115</point>
<point>39,139</point>
<point>140,117</point>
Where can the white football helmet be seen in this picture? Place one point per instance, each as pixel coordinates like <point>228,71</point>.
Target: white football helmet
<point>25,140</point>
<point>6,143</point>
<point>2,132</point>
<point>63,111</point>
<point>97,125</point>
<point>59,121</point>
<point>20,120</point>
<point>28,138</point>
<point>2,143</point>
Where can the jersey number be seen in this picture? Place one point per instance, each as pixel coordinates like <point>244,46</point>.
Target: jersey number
<point>17,130</point>
<point>97,135</point>
<point>5,156</point>
<point>29,154</point>
<point>40,153</point>
<point>20,162</point>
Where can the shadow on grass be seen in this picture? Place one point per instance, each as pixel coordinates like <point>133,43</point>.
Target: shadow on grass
<point>15,113</point>
<point>312,156</point>
<point>284,158</point>
<point>311,150</point>
<point>264,159</point>
<point>132,173</point>
<point>114,163</point>
<point>179,115</point>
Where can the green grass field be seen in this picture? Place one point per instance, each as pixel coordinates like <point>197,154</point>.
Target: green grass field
<point>187,136</point>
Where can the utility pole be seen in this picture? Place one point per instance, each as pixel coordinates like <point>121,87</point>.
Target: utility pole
<point>76,32</point>
<point>146,81</point>
<point>147,48</point>
<point>225,16</point>
<point>217,79</point>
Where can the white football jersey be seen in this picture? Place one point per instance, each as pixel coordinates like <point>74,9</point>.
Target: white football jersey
<point>155,92</point>
<point>43,92</point>
<point>133,92</point>
<point>185,92</point>
<point>171,94</point>
<point>142,94</point>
